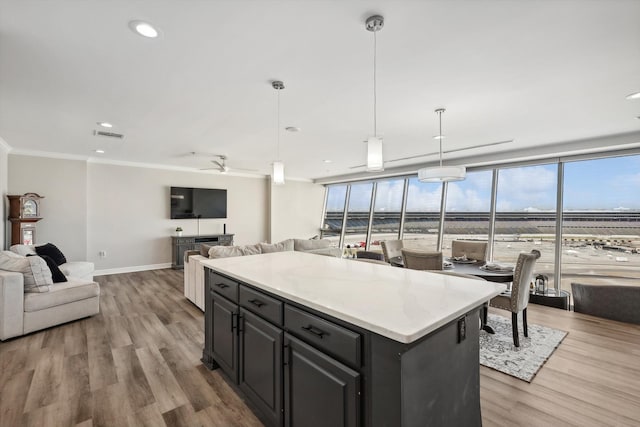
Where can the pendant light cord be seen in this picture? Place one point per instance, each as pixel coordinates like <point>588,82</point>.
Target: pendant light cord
<point>375,97</point>
<point>278,130</point>
<point>440,136</point>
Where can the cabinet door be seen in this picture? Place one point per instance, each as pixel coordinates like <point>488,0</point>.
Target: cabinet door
<point>318,391</point>
<point>261,365</point>
<point>225,335</point>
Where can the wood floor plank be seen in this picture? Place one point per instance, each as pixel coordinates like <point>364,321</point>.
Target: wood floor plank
<point>164,386</point>
<point>130,372</point>
<point>47,378</point>
<point>13,396</point>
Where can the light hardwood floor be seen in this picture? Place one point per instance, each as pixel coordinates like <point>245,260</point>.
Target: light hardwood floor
<point>137,364</point>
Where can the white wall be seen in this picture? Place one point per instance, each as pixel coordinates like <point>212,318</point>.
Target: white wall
<point>63,183</point>
<point>4,205</point>
<point>295,210</point>
<point>124,210</point>
<point>128,213</point>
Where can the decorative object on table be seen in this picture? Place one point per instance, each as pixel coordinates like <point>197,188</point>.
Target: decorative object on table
<point>517,299</point>
<point>422,260</point>
<point>497,351</point>
<point>178,231</point>
<point>277,175</point>
<point>541,284</point>
<point>24,212</point>
<point>492,266</point>
<point>441,173</point>
<point>375,161</point>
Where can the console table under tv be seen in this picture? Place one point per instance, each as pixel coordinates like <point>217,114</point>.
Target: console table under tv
<point>180,244</point>
<point>312,340</point>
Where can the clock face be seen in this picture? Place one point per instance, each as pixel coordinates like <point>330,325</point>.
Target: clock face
<point>29,208</point>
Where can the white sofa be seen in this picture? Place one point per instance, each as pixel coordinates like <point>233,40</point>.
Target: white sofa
<point>194,269</point>
<point>78,269</point>
<point>30,301</point>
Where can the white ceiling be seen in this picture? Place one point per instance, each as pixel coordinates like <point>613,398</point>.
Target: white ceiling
<point>539,72</point>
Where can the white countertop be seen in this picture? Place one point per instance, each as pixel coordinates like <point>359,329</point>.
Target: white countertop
<point>397,303</point>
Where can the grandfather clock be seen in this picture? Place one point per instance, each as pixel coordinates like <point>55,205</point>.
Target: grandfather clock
<point>24,212</point>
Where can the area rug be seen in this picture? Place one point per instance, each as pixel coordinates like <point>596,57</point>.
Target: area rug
<point>498,352</point>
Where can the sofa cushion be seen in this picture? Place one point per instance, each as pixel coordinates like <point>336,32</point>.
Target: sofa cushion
<point>56,274</point>
<point>285,245</point>
<point>335,252</point>
<point>37,276</point>
<point>225,251</point>
<point>251,249</point>
<point>77,268</point>
<point>62,293</point>
<point>51,250</point>
<point>23,250</point>
<point>307,244</point>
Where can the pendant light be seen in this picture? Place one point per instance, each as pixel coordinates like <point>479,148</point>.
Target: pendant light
<point>442,173</point>
<point>277,175</point>
<point>375,162</point>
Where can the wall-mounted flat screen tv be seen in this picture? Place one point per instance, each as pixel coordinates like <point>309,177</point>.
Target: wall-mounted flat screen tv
<point>198,203</point>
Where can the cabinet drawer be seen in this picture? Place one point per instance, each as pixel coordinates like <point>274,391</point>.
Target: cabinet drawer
<point>223,286</point>
<point>341,343</point>
<point>267,307</point>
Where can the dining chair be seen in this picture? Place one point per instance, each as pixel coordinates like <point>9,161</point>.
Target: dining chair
<point>370,255</point>
<point>421,260</point>
<point>391,249</point>
<point>472,250</point>
<point>517,299</point>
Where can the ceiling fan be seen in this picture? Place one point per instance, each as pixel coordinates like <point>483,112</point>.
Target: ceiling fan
<point>221,165</point>
<point>417,156</point>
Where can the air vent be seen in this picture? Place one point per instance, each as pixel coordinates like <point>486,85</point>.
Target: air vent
<point>108,134</point>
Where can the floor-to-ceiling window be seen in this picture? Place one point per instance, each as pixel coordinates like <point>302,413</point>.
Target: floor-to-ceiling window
<point>422,218</point>
<point>334,212</point>
<point>387,211</point>
<point>468,207</point>
<point>358,214</point>
<point>601,224</point>
<point>526,215</point>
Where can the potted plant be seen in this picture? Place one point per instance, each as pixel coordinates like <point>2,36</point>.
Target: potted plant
<point>178,231</point>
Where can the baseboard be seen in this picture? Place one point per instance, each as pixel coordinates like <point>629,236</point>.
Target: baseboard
<point>131,269</point>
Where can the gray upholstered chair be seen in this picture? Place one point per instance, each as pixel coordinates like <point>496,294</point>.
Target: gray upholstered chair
<point>421,260</point>
<point>391,249</point>
<point>517,299</point>
<point>609,301</point>
<point>472,250</point>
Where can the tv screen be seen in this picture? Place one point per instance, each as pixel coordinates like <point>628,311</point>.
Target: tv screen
<point>198,203</point>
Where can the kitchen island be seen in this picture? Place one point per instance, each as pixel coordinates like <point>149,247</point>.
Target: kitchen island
<point>312,340</point>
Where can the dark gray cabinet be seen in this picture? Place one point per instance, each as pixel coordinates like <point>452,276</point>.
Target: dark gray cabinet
<point>260,366</point>
<point>181,244</point>
<point>224,345</point>
<point>318,390</point>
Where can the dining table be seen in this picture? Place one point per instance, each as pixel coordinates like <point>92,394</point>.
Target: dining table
<point>474,268</point>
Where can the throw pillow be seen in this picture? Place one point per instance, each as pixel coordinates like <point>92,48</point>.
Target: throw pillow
<point>306,245</point>
<point>37,276</point>
<point>251,249</point>
<point>23,250</point>
<point>52,251</point>
<point>224,251</point>
<point>56,274</point>
<point>285,245</point>
<point>204,249</point>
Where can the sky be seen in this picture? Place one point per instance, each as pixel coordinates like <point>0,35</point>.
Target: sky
<point>602,184</point>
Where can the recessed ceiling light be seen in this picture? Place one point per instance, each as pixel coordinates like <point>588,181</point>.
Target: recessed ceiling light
<point>292,129</point>
<point>327,161</point>
<point>439,137</point>
<point>634,96</point>
<point>144,29</point>
<point>105,124</point>
<point>99,151</point>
